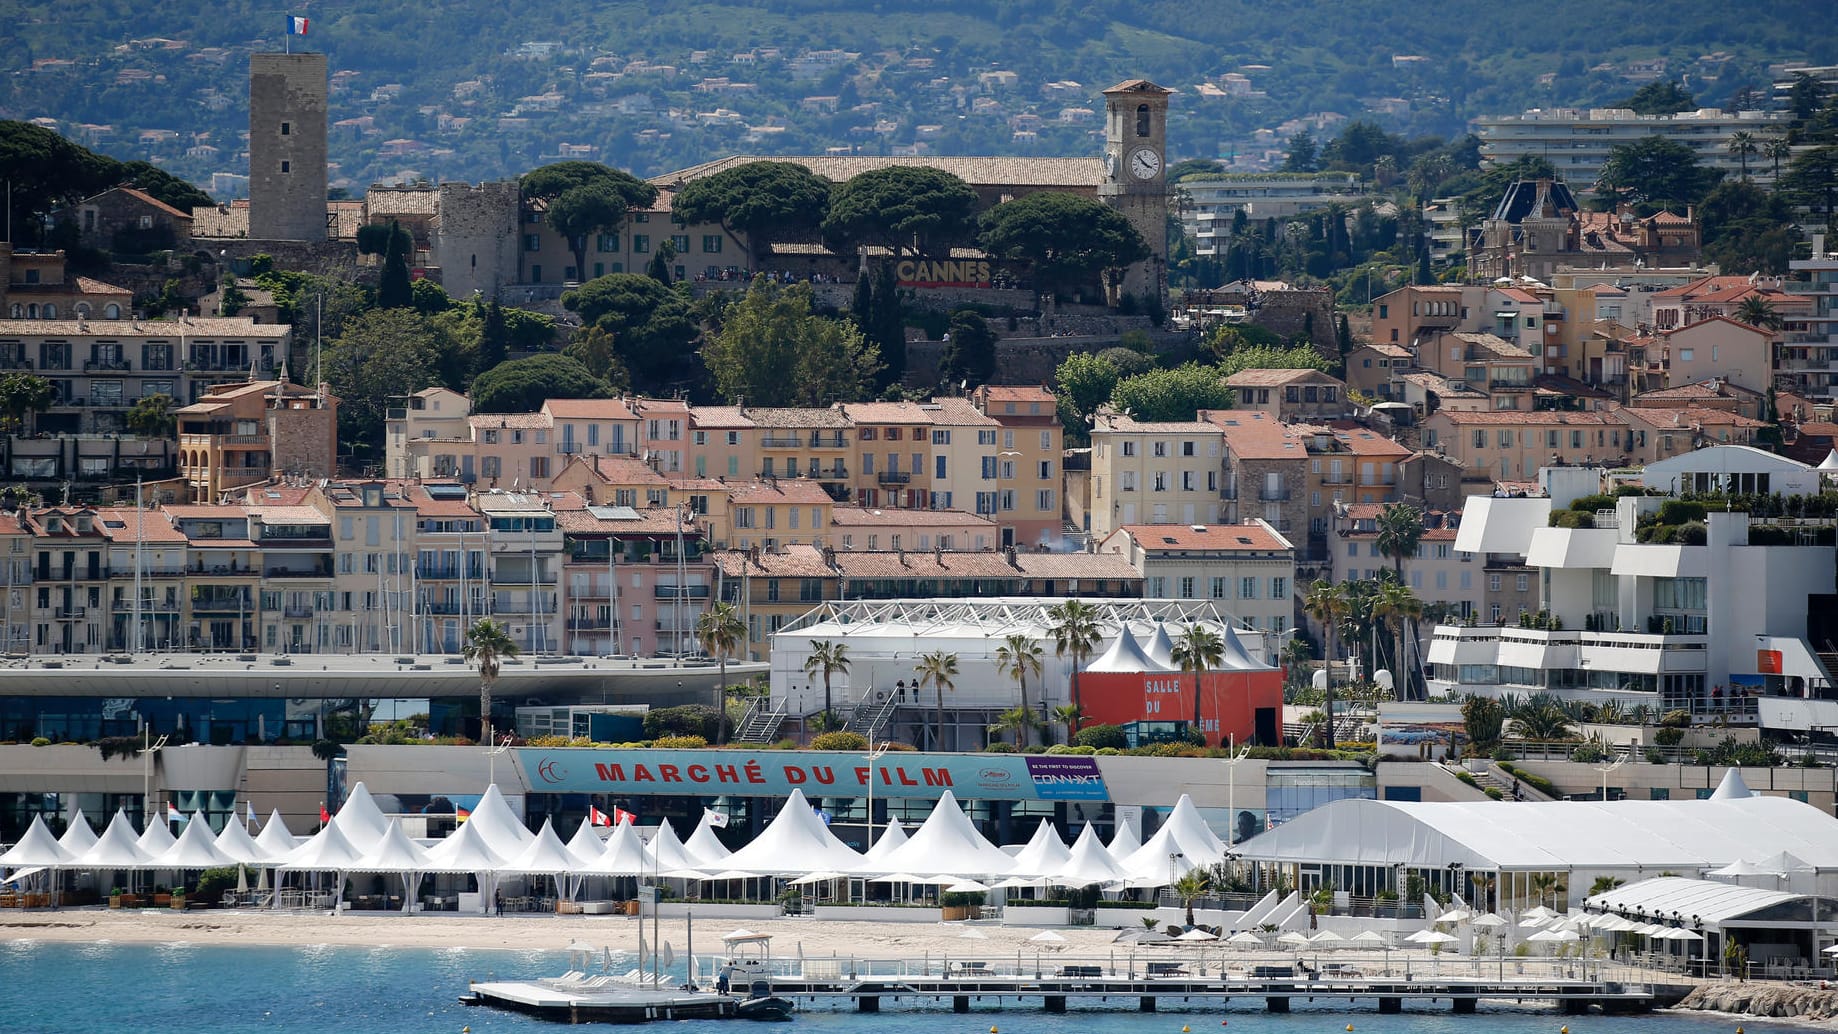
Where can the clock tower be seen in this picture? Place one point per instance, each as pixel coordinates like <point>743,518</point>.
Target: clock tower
<point>1136,177</point>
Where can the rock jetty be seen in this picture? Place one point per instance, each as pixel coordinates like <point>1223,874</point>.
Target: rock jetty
<point>1776,1001</point>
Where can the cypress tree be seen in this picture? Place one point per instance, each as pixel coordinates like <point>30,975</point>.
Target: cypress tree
<point>393,291</point>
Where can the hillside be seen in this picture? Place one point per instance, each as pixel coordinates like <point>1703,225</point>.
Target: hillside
<point>469,89</point>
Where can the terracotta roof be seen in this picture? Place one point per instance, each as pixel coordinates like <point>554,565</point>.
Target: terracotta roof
<point>148,199</point>
<point>205,511</point>
<point>725,417</point>
<point>1441,385</point>
<point>1714,319</point>
<point>648,521</point>
<point>1128,425</point>
<point>1698,390</point>
<point>862,517</point>
<point>1518,295</point>
<point>691,483</point>
<point>126,524</point>
<point>886,413</point>
<point>619,470</point>
<point>1509,417</point>
<point>588,409</point>
<point>767,493</point>
<point>796,561</point>
<point>799,417</point>
<point>1707,285</point>
<point>1277,378</point>
<point>276,514</point>
<point>1082,566</point>
<point>1255,435</point>
<point>194,327</point>
<point>1688,416</point>
<point>644,407</point>
<point>1157,538</point>
<point>1388,349</point>
<point>1369,443</point>
<point>1017,393</point>
<point>516,421</point>
<point>1496,347</point>
<point>956,412</point>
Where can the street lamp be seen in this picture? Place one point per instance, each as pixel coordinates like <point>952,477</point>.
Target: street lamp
<point>1605,769</point>
<point>147,751</point>
<point>1235,754</point>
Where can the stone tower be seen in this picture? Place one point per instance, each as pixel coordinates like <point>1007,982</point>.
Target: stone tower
<point>475,241</point>
<point>287,152</point>
<point>1136,176</point>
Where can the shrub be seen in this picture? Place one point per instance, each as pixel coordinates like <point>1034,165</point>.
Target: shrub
<point>1655,756</point>
<point>683,720</point>
<point>1587,753</point>
<point>1668,736</point>
<point>1059,748</point>
<point>840,740</point>
<point>1677,718</point>
<point>40,741</point>
<point>1000,748</point>
<point>1571,519</point>
<point>1467,777</point>
<point>1680,511</point>
<point>1693,533</point>
<point>1494,792</point>
<point>680,742</point>
<point>1101,736</point>
<point>212,883</point>
<point>1531,779</point>
<point>1105,752</point>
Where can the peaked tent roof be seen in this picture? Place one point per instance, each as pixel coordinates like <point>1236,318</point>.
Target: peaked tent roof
<point>499,827</point>
<point>1088,863</point>
<point>947,844</point>
<point>236,842</point>
<point>624,854</point>
<point>704,844</point>
<point>545,854</point>
<point>891,838</point>
<point>393,852</point>
<point>328,851</point>
<point>116,848</point>
<point>463,851</point>
<point>1707,901</point>
<point>1237,658</point>
<point>796,841</point>
<point>196,849</point>
<point>1125,655</point>
<point>1686,835</point>
<point>1044,854</point>
<point>275,840</point>
<point>1185,836</point>
<point>586,844</point>
<point>1161,646</point>
<point>360,820</point>
<point>1731,788</point>
<point>666,852</point>
<point>37,848</point>
<point>1124,840</point>
<point>156,839</point>
<point>78,838</point>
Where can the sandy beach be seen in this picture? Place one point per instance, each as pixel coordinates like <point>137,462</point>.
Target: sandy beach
<point>533,932</point>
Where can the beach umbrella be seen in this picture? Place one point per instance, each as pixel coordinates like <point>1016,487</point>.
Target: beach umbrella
<point>1454,916</point>
<point>1532,922</point>
<point>1369,937</point>
<point>1328,938</point>
<point>971,933</point>
<point>1681,934</point>
<point>1293,937</point>
<point>1832,950</point>
<point>816,877</point>
<point>1047,937</point>
<point>1248,939</point>
<point>966,887</point>
<point>1430,937</point>
<point>1488,921</point>
<point>1540,912</point>
<point>1197,934</point>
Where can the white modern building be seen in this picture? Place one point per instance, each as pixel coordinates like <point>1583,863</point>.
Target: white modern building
<point>1576,141</point>
<point>1210,203</point>
<point>1818,343</point>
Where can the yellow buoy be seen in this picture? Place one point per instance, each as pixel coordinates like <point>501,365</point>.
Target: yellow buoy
<point>1185,1030</point>
<point>1563,1030</point>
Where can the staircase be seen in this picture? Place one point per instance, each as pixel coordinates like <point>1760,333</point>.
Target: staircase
<point>873,714</point>
<point>760,724</point>
<point>1503,781</point>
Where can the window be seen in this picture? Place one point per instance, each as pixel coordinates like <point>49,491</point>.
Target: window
<point>743,517</point>
<point>1247,588</point>
<point>287,128</point>
<point>1126,481</point>
<point>941,437</point>
<point>1506,439</point>
<point>1161,481</point>
<point>989,468</point>
<point>1142,120</point>
<point>1008,499</point>
<point>1480,439</point>
<point>1160,448</point>
<point>711,244</point>
<point>1279,588</point>
<point>641,243</point>
<point>1187,588</point>
<point>985,437</point>
<point>1218,589</point>
<point>539,466</point>
<point>938,463</point>
<point>1522,582</point>
<point>1046,470</point>
<point>489,466</point>
<point>1129,448</point>
<point>287,167</point>
<point>1045,500</point>
<point>1158,588</point>
<point>532,242</point>
<point>1493,583</point>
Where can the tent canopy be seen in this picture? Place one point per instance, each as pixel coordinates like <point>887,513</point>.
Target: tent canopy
<point>116,848</point>
<point>236,842</point>
<point>274,839</point>
<point>545,854</point>
<point>464,851</point>
<point>328,851</point>
<point>1125,654</point>
<point>36,848</point>
<point>196,849</point>
<point>666,852</point>
<point>1044,854</point>
<point>891,837</point>
<point>360,820</point>
<point>78,838</point>
<point>498,826</point>
<point>705,845</point>
<point>393,852</point>
<point>1701,902</point>
<point>1554,836</point>
<point>1088,863</point>
<point>624,854</point>
<point>948,843</point>
<point>796,841</point>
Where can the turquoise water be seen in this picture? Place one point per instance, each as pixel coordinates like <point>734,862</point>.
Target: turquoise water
<point>56,988</point>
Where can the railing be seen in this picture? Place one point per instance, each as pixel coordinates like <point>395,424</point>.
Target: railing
<point>297,612</point>
<point>894,477</point>
<point>71,613</point>
<point>830,441</point>
<point>1273,495</point>
<point>780,442</point>
<point>15,362</point>
<point>680,592</point>
<point>223,603</point>
<point>287,572</point>
<point>455,573</point>
<point>836,473</point>
<point>106,365</point>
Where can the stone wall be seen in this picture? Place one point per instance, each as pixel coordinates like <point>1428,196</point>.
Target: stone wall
<point>304,441</point>
<point>1753,998</point>
<point>1030,360</point>
<point>475,240</point>
<point>1287,313</point>
<point>287,90</point>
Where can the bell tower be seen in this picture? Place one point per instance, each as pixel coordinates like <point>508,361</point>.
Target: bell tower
<point>1136,177</point>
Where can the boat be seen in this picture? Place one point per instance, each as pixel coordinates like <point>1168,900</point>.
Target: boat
<point>761,1004</point>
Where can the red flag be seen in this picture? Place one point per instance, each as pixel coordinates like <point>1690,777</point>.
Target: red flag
<point>324,816</point>
<point>620,815</point>
<point>597,817</point>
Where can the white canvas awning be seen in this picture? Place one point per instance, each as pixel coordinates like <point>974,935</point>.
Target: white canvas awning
<point>1088,863</point>
<point>1183,842</point>
<point>624,854</point>
<point>890,839</point>
<point>705,845</point>
<point>360,820</point>
<point>327,851</point>
<point>498,826</point>
<point>393,852</point>
<point>795,842</point>
<point>274,839</point>
<point>545,854</point>
<point>586,844</point>
<point>1125,654</point>
<point>1125,840</point>
<point>78,837</point>
<point>156,839</point>
<point>463,851</point>
<point>666,852</point>
<point>236,842</point>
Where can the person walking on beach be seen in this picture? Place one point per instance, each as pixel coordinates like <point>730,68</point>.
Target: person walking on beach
<point>498,900</point>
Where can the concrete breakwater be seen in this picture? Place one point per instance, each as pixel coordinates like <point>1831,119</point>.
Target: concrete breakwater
<point>1774,1001</point>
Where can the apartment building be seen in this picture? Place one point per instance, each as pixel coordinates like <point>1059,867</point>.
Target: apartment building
<point>963,455</point>
<point>524,561</point>
<point>1437,572</point>
<point>894,451</point>
<point>772,513</point>
<point>1028,505</point>
<point>1809,356</point>
<point>1377,370</point>
<point>1577,141</point>
<point>1508,446</point>
<point>1248,569</point>
<point>634,579</point>
<point>816,444</point>
<point>1291,395</point>
<point>1265,471</point>
<point>238,435</point>
<point>1153,473</point>
<point>857,527</point>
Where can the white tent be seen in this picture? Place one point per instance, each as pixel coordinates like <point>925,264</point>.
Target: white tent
<point>796,841</point>
<point>78,837</point>
<point>236,842</point>
<point>704,845</point>
<point>1089,862</point>
<point>948,843</point>
<point>1044,854</point>
<point>1183,843</point>
<point>274,839</point>
<point>545,854</point>
<point>666,852</point>
<point>498,826</point>
<point>395,852</point>
<point>1160,647</point>
<point>360,820</point>
<point>1125,840</point>
<point>891,837</point>
<point>196,849</point>
<point>116,848</point>
<point>36,849</point>
<point>586,844</point>
<point>328,851</point>
<point>156,839</point>
<point>624,854</point>
<point>1236,657</point>
<point>465,851</point>
<point>1125,654</point>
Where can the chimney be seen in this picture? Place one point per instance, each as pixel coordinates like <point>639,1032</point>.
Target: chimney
<point>903,562</point>
<point>829,557</point>
<point>938,554</point>
<point>1009,553</point>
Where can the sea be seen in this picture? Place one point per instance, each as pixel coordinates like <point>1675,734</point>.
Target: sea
<point>194,988</point>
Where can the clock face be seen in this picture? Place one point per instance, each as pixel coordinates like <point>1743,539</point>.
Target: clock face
<point>1145,163</point>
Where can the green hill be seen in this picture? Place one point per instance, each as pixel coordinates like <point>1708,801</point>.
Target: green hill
<point>469,89</point>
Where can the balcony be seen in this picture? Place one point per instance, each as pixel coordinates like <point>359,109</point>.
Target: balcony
<point>894,477</point>
<point>107,366</point>
<point>456,572</point>
<point>685,592</point>
<point>836,473</point>
<point>297,612</point>
<point>71,613</point>
<point>15,362</point>
<point>1273,495</point>
<point>781,442</point>
<point>220,605</point>
<point>819,440</point>
<point>324,571</point>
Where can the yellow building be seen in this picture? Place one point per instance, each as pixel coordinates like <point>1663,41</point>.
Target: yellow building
<point>241,434</point>
<point>1153,473</point>
<point>1029,477</point>
<point>894,449</point>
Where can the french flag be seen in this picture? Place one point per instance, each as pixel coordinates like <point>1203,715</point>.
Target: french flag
<point>296,25</point>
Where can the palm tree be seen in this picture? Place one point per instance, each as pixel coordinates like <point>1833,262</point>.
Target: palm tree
<point>1297,657</point>
<point>938,669</point>
<point>1075,633</point>
<point>1742,144</point>
<point>1775,150</point>
<point>1396,601</point>
<point>720,632</point>
<point>826,659</point>
<point>1327,603</point>
<point>1400,531</point>
<point>1069,715</point>
<point>1757,311</point>
<point>1541,716</point>
<point>1018,657</point>
<point>487,645</point>
<point>1191,887</point>
<point>1018,720</point>
<point>1483,889</point>
<point>1198,649</point>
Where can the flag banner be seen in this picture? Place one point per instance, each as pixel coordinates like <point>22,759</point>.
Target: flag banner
<point>324,815</point>
<point>173,814</point>
<point>621,815</point>
<point>597,817</point>
<point>296,25</point>
<point>715,818</point>
<point>251,806</point>
<point>462,814</point>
